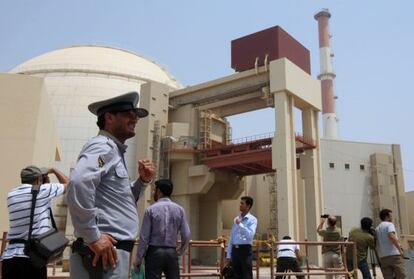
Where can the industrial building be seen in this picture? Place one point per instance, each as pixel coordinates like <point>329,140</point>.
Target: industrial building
<point>294,178</point>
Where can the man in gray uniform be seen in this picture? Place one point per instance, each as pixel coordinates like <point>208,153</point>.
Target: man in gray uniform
<point>158,240</point>
<point>101,198</point>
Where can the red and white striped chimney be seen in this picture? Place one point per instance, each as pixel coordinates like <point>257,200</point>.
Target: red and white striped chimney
<point>327,76</point>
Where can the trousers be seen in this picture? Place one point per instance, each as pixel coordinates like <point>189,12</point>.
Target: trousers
<point>77,270</point>
<point>241,260</point>
<point>160,260</point>
<point>288,263</point>
<point>332,260</point>
<point>21,268</point>
<point>393,267</point>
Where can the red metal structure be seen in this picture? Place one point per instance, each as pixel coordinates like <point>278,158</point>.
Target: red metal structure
<point>248,156</point>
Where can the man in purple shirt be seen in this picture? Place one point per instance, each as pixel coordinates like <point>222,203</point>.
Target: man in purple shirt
<point>158,238</point>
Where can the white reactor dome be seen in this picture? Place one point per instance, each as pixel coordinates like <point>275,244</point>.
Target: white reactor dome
<point>79,75</point>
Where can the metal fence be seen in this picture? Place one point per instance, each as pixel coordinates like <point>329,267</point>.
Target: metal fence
<point>268,247</point>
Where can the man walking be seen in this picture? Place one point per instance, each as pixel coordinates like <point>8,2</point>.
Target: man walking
<point>331,253</point>
<point>288,257</point>
<point>101,198</point>
<point>389,248</point>
<point>158,238</point>
<point>364,239</point>
<point>239,250</point>
<point>16,264</point>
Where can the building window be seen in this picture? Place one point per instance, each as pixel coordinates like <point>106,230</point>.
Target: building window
<point>331,165</point>
<point>362,167</point>
<point>347,167</point>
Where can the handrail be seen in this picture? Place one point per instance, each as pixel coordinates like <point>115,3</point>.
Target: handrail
<point>188,270</point>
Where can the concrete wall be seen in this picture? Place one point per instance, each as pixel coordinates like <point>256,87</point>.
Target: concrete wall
<point>74,77</point>
<point>28,135</point>
<point>410,208</point>
<point>347,193</point>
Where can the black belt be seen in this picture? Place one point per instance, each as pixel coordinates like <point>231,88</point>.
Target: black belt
<point>126,245</point>
<point>237,246</point>
<point>18,240</point>
<point>161,247</point>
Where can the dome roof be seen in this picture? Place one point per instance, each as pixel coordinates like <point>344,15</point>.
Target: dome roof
<point>97,60</point>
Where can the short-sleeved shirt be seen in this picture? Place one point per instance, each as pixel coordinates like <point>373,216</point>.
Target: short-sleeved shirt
<point>331,234</point>
<point>19,203</point>
<point>287,249</point>
<point>363,241</point>
<point>385,246</point>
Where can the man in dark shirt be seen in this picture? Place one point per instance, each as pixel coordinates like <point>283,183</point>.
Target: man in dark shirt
<point>158,238</point>
<point>364,240</point>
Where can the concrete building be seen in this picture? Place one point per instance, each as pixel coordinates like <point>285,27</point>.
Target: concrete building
<point>358,180</point>
<point>188,136</point>
<point>28,134</point>
<point>78,75</point>
<point>60,85</point>
<point>410,209</point>
<point>203,185</point>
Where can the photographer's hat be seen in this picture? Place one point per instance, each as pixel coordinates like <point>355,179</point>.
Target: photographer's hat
<point>30,173</point>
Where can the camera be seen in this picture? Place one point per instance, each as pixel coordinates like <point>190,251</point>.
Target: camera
<point>325,216</point>
<point>45,179</point>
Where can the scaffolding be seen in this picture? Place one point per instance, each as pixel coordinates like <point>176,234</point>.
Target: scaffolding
<point>156,144</point>
<point>206,124</point>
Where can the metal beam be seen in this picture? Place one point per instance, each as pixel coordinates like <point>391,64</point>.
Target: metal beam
<point>238,158</point>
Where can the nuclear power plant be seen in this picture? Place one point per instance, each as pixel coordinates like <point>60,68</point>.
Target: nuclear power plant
<point>293,173</point>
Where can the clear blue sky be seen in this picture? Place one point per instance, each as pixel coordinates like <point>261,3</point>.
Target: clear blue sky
<point>373,43</point>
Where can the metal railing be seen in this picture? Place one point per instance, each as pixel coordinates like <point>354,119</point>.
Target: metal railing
<point>189,270</point>
<point>252,138</point>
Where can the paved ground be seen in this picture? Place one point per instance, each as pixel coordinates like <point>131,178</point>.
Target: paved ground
<point>264,273</point>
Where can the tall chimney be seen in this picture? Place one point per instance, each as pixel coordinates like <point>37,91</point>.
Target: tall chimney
<point>327,76</point>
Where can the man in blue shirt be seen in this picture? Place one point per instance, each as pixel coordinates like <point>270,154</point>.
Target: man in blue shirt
<point>239,251</point>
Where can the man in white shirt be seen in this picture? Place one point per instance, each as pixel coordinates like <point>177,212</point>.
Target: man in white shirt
<point>288,257</point>
<point>16,263</point>
<point>389,248</point>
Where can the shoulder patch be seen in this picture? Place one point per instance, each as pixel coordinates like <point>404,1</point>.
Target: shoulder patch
<point>101,161</point>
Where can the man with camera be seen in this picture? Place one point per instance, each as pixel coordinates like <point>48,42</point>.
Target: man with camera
<point>389,247</point>
<point>331,253</point>
<point>364,239</point>
<point>16,264</point>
